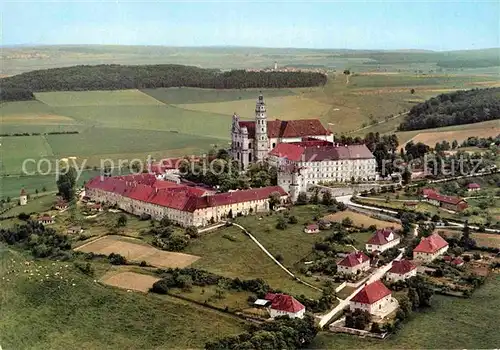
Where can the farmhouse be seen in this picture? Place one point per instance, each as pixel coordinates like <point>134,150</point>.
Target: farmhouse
<point>45,219</point>
<point>251,141</point>
<point>401,270</point>
<point>312,228</point>
<point>23,197</point>
<point>446,202</point>
<point>185,205</point>
<point>61,204</point>
<point>354,263</point>
<point>375,298</point>
<point>309,162</point>
<point>430,248</point>
<point>382,240</point>
<point>284,305</point>
<point>473,187</point>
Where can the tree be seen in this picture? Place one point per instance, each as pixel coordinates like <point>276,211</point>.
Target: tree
<point>293,219</point>
<point>327,198</point>
<point>302,198</point>
<point>412,91</point>
<point>66,184</point>
<point>117,259</point>
<point>165,221</point>
<point>347,222</point>
<point>274,200</point>
<point>121,221</point>
<point>281,224</point>
<point>192,231</point>
<point>347,74</point>
<point>406,176</point>
<point>44,189</point>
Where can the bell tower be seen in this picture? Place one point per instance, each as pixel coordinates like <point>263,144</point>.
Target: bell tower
<point>261,140</point>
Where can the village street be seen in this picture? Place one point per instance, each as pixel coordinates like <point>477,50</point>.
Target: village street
<point>376,275</point>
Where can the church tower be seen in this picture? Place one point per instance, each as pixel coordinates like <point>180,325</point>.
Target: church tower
<point>261,140</point>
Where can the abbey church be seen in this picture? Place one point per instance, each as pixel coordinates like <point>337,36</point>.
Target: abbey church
<point>253,140</point>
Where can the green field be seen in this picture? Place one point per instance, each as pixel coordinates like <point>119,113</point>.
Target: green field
<point>96,98</point>
<point>230,253</point>
<point>451,323</point>
<point>70,310</point>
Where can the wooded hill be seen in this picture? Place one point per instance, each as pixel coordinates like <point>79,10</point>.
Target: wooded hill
<point>459,107</point>
<point>118,77</point>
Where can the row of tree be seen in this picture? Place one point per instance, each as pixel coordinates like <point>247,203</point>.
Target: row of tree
<point>115,77</point>
<point>460,107</point>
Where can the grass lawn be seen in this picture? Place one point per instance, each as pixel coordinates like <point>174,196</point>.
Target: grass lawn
<point>96,98</point>
<point>451,323</point>
<point>193,95</point>
<point>282,107</point>
<point>95,141</point>
<point>151,117</point>
<point>230,253</point>
<point>361,220</point>
<point>17,149</point>
<point>71,311</point>
<point>35,205</point>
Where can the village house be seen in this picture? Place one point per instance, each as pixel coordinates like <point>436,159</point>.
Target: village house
<point>473,187</point>
<point>61,204</point>
<point>382,240</point>
<point>312,228</point>
<point>354,263</point>
<point>430,248</point>
<point>375,298</point>
<point>184,205</point>
<point>23,197</point>
<point>251,141</point>
<point>284,305</point>
<point>45,219</point>
<point>74,229</point>
<point>447,202</point>
<point>401,270</point>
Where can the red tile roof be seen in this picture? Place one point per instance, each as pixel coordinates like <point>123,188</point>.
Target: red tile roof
<point>431,244</point>
<point>428,191</point>
<point>371,293</point>
<point>284,302</point>
<point>401,267</point>
<point>444,199</point>
<point>473,185</point>
<point>23,192</point>
<point>316,153</point>
<point>146,188</point>
<point>381,237</point>
<point>312,227</point>
<point>457,261</point>
<point>354,259</point>
<point>288,128</point>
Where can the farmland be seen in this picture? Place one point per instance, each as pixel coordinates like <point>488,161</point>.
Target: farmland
<point>60,308</point>
<point>136,250</point>
<point>129,280</point>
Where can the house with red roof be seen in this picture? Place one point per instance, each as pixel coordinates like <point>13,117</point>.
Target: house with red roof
<point>401,270</point>
<point>312,228</point>
<point>61,204</point>
<point>473,187</point>
<point>375,298</point>
<point>284,305</point>
<point>354,263</point>
<point>45,219</point>
<point>382,240</point>
<point>447,202</point>
<point>430,248</point>
<point>183,204</point>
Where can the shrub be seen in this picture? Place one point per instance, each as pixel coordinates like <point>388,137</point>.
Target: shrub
<point>86,268</point>
<point>23,216</point>
<point>292,219</point>
<point>117,259</point>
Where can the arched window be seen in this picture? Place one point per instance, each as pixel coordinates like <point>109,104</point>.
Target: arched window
<point>274,144</point>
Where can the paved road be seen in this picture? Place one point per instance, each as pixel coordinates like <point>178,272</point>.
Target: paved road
<point>376,275</point>
<point>347,200</point>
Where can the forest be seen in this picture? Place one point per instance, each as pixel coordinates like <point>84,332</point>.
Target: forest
<point>455,108</point>
<point>117,77</point>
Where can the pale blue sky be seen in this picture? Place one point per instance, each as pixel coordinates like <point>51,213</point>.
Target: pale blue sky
<point>358,25</point>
